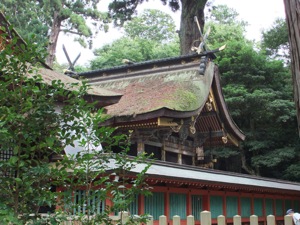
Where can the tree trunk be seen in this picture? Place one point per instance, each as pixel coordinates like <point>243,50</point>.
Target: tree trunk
<point>55,29</point>
<point>245,165</point>
<point>292,9</point>
<point>188,28</point>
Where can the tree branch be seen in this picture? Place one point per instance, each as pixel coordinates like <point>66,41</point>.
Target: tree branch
<point>245,166</point>
<point>70,31</point>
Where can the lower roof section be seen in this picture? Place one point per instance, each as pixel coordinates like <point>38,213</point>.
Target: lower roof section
<point>165,170</point>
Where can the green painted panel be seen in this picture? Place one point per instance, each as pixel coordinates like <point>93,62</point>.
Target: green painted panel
<point>258,206</point>
<point>231,206</point>
<point>288,204</point>
<point>216,206</point>
<point>133,206</point>
<point>296,206</point>
<point>196,206</point>
<point>279,207</point>
<point>178,205</point>
<point>154,205</point>
<point>93,204</point>
<point>245,207</point>
<point>269,207</point>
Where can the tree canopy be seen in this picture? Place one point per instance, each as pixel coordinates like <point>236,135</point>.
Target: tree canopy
<point>153,25</point>
<point>46,19</point>
<point>123,10</point>
<point>292,18</point>
<point>145,38</point>
<point>258,92</point>
<point>275,40</point>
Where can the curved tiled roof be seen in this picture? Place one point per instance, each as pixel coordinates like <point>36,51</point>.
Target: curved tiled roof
<point>178,90</point>
<point>169,88</point>
<point>49,75</point>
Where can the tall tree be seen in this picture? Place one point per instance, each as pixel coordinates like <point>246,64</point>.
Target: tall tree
<point>292,8</point>
<point>49,18</point>
<point>148,36</point>
<point>275,41</point>
<point>258,92</point>
<point>122,10</point>
<point>153,25</point>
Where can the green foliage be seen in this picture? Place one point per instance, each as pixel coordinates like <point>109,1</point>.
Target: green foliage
<point>136,50</point>
<point>46,19</point>
<point>28,20</point>
<point>40,121</point>
<point>276,41</point>
<point>258,92</point>
<point>224,26</point>
<point>143,41</point>
<point>122,10</point>
<point>224,15</point>
<point>151,25</point>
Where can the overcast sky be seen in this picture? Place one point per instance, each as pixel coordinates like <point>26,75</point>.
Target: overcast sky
<point>260,14</point>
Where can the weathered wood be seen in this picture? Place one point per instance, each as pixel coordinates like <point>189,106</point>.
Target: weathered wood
<point>190,220</point>
<point>288,220</point>
<point>271,220</point>
<point>221,220</point>
<point>176,220</point>
<point>205,218</point>
<point>292,9</point>
<point>162,220</point>
<point>55,30</point>
<point>188,28</point>
<point>150,220</point>
<point>253,220</point>
<point>237,220</point>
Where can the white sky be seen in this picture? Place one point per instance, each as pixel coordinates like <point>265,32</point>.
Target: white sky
<point>260,14</point>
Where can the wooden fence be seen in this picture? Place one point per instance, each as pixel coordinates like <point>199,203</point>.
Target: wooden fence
<point>205,219</point>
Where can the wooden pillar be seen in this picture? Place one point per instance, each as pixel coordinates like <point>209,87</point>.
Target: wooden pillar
<point>239,205</point>
<point>271,220</point>
<point>150,220</point>
<point>237,220</point>
<point>140,146</point>
<point>141,204</point>
<point>179,158</point>
<point>221,220</point>
<point>224,200</point>
<point>288,220</point>
<point>190,220</point>
<point>189,203</point>
<point>162,220</point>
<point>205,218</point>
<point>252,204</point>
<point>176,220</point>
<point>109,203</point>
<point>206,201</point>
<point>163,151</point>
<point>167,204</point>
<point>253,220</point>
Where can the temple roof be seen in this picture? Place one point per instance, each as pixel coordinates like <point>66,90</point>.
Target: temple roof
<point>179,91</point>
<point>164,171</point>
<point>102,96</point>
<point>169,92</point>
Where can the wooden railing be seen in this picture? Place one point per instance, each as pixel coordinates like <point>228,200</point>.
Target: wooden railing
<point>205,219</point>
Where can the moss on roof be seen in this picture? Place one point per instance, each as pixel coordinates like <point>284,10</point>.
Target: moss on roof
<point>179,90</point>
